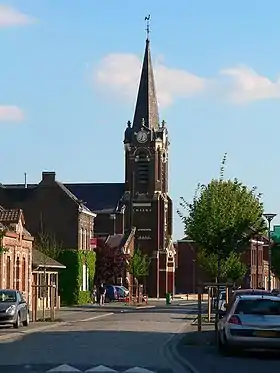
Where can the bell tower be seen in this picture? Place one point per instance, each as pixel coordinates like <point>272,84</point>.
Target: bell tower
<point>149,207</point>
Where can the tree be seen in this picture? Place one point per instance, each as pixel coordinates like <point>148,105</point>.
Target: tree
<point>275,258</point>
<point>48,245</point>
<point>231,267</point>
<point>224,215</point>
<point>110,263</point>
<point>139,265</point>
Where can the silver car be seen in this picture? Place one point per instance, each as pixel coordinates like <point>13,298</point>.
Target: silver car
<point>253,321</point>
<point>14,309</point>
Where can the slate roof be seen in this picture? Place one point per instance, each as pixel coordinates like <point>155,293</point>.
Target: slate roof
<point>17,193</point>
<point>146,105</point>
<point>115,240</point>
<point>40,259</point>
<point>10,215</point>
<point>99,197</point>
<point>72,196</point>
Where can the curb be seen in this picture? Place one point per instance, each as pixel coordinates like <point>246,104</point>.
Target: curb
<point>51,326</point>
<point>180,363</point>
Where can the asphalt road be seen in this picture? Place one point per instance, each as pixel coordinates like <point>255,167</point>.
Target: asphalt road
<point>120,341</point>
<point>206,359</point>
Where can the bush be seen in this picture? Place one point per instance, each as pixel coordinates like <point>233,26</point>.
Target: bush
<point>71,278</point>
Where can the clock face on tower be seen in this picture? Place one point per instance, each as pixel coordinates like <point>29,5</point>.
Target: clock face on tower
<point>142,136</point>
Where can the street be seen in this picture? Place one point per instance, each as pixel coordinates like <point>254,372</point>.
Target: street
<point>121,339</point>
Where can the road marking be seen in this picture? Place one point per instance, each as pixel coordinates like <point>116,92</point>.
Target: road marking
<point>97,317</point>
<point>64,368</point>
<point>47,327</point>
<point>101,368</point>
<point>179,363</point>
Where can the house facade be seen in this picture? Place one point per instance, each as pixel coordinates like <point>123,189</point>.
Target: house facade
<point>189,274</point>
<point>16,260</point>
<point>49,207</point>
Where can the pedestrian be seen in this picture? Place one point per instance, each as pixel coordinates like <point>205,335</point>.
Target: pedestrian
<point>102,293</point>
<point>94,294</point>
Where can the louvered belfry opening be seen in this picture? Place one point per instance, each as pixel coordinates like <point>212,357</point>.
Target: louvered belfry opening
<point>143,171</point>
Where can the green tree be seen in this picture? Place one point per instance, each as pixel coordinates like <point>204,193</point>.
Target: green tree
<point>48,245</point>
<point>275,259</point>
<point>223,216</point>
<point>138,265</point>
<point>231,267</point>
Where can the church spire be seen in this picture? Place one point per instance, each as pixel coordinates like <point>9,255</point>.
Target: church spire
<point>146,104</point>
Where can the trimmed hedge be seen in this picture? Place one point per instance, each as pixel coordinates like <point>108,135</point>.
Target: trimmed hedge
<point>71,278</point>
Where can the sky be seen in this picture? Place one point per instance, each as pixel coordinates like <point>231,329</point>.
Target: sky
<point>69,73</point>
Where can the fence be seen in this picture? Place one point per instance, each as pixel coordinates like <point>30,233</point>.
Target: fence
<point>45,295</point>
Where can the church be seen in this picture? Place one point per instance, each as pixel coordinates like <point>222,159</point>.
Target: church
<point>141,204</point>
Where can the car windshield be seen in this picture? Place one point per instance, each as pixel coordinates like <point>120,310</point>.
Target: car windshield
<point>258,307</point>
<point>7,296</point>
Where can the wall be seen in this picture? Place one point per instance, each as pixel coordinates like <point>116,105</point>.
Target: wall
<point>19,255</point>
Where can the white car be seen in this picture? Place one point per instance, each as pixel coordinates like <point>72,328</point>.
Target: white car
<point>253,321</point>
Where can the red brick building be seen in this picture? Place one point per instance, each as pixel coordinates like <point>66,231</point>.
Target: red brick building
<point>16,261</point>
<point>188,273</point>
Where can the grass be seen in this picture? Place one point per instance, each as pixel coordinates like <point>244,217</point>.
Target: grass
<point>48,319</point>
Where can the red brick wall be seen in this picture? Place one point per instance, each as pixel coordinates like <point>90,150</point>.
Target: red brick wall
<point>19,259</point>
<point>187,273</point>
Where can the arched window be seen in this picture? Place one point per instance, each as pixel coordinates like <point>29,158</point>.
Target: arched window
<point>81,238</point>
<point>85,240</point>
<point>17,273</point>
<point>8,272</point>
<point>23,274</point>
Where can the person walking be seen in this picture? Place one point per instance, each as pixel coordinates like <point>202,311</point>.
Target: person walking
<point>94,294</point>
<point>102,293</point>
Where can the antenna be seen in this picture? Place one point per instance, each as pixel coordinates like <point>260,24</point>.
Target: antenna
<point>147,19</point>
<point>25,180</point>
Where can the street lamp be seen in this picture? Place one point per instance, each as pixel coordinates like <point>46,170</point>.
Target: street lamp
<point>269,218</point>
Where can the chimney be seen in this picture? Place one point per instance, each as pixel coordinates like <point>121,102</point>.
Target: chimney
<point>48,177</point>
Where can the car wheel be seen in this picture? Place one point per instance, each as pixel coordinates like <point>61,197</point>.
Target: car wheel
<point>26,322</point>
<point>223,346</point>
<point>17,322</point>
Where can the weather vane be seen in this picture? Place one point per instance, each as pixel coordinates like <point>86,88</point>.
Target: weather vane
<point>148,25</point>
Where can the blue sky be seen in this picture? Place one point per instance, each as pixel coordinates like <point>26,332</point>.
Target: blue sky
<point>68,79</point>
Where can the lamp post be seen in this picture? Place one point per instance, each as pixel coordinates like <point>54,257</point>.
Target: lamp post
<point>269,218</point>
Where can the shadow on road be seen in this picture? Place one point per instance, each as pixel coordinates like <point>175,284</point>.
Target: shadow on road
<point>90,347</point>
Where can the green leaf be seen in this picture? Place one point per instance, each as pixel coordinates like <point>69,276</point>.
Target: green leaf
<point>139,264</point>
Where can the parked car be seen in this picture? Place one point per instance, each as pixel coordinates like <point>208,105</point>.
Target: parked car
<point>122,292</point>
<point>253,321</point>
<point>14,309</point>
<point>111,293</point>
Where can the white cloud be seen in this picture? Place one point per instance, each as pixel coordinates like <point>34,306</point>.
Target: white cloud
<point>247,85</point>
<point>10,16</point>
<point>9,113</point>
<point>120,73</point>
